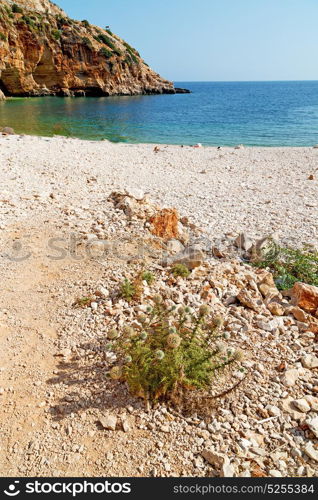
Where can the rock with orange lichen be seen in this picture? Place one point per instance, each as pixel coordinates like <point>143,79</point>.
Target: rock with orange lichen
<point>305,297</point>
<point>164,224</point>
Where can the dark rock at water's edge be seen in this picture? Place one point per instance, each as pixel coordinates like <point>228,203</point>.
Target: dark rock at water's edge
<point>182,91</point>
<point>43,52</point>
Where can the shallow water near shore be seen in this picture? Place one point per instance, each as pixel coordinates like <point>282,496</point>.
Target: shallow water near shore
<point>220,113</point>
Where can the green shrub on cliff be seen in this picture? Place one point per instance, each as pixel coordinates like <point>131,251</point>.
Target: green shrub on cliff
<point>3,37</point>
<point>86,41</point>
<point>17,9</point>
<point>56,34</point>
<point>105,52</point>
<point>106,40</point>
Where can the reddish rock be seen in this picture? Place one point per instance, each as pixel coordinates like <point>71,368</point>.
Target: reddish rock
<point>305,297</point>
<point>164,224</point>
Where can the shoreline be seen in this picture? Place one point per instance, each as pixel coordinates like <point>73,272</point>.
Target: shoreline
<point>154,144</point>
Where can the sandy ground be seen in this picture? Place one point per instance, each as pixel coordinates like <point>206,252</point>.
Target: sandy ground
<point>54,187</point>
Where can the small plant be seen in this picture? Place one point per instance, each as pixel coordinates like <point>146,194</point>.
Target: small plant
<point>3,37</point>
<point>127,290</point>
<point>105,52</point>
<point>86,41</point>
<point>148,276</point>
<point>180,270</point>
<point>83,302</point>
<point>175,350</point>
<point>289,265</point>
<point>102,38</point>
<point>56,34</point>
<point>85,23</point>
<point>16,9</point>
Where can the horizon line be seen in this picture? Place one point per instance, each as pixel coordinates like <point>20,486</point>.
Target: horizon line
<point>241,81</point>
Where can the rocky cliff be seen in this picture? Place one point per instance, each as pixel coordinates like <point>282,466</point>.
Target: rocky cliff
<point>44,52</point>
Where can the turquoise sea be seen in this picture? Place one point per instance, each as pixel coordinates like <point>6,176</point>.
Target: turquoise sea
<point>220,113</point>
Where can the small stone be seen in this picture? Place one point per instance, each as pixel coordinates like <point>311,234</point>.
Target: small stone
<point>227,469</point>
<point>135,193</point>
<point>289,407</point>
<point>1,391</point>
<point>126,425</point>
<point>213,458</point>
<point>275,473</point>
<point>102,292</point>
<point>276,309</point>
<point>94,306</point>
<point>310,361</point>
<point>175,246</point>
<point>165,428</point>
<point>313,402</point>
<point>66,353</point>
<point>248,301</point>
<point>269,326</point>
<point>298,314</point>
<point>192,257</point>
<point>290,377</point>
<point>302,405</point>
<point>243,242</point>
<point>108,422</point>
<point>8,131</point>
<point>311,452</point>
<point>313,426</point>
<point>273,411</point>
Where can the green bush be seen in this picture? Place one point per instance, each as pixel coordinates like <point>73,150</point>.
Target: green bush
<point>180,270</point>
<point>289,265</point>
<point>86,41</point>
<point>127,290</point>
<point>102,38</point>
<point>56,34</point>
<point>16,9</point>
<point>3,37</point>
<point>176,349</point>
<point>105,52</point>
<point>29,21</point>
<point>85,23</point>
<point>148,276</point>
<point>83,302</point>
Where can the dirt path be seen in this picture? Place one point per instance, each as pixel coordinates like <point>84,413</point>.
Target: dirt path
<point>29,321</point>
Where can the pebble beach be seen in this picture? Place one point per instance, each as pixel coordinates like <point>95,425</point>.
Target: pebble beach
<point>258,190</point>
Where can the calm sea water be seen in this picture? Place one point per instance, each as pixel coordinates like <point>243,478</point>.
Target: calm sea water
<point>251,113</point>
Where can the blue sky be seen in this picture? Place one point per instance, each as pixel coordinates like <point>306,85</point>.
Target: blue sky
<point>214,40</point>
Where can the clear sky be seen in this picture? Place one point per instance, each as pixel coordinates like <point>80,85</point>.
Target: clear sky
<point>214,40</point>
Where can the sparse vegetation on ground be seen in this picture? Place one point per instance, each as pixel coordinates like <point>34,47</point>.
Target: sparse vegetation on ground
<point>289,265</point>
<point>176,349</point>
<point>180,270</point>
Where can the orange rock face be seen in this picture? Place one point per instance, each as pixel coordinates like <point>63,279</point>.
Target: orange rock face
<point>43,52</point>
<point>165,224</point>
<point>306,297</point>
